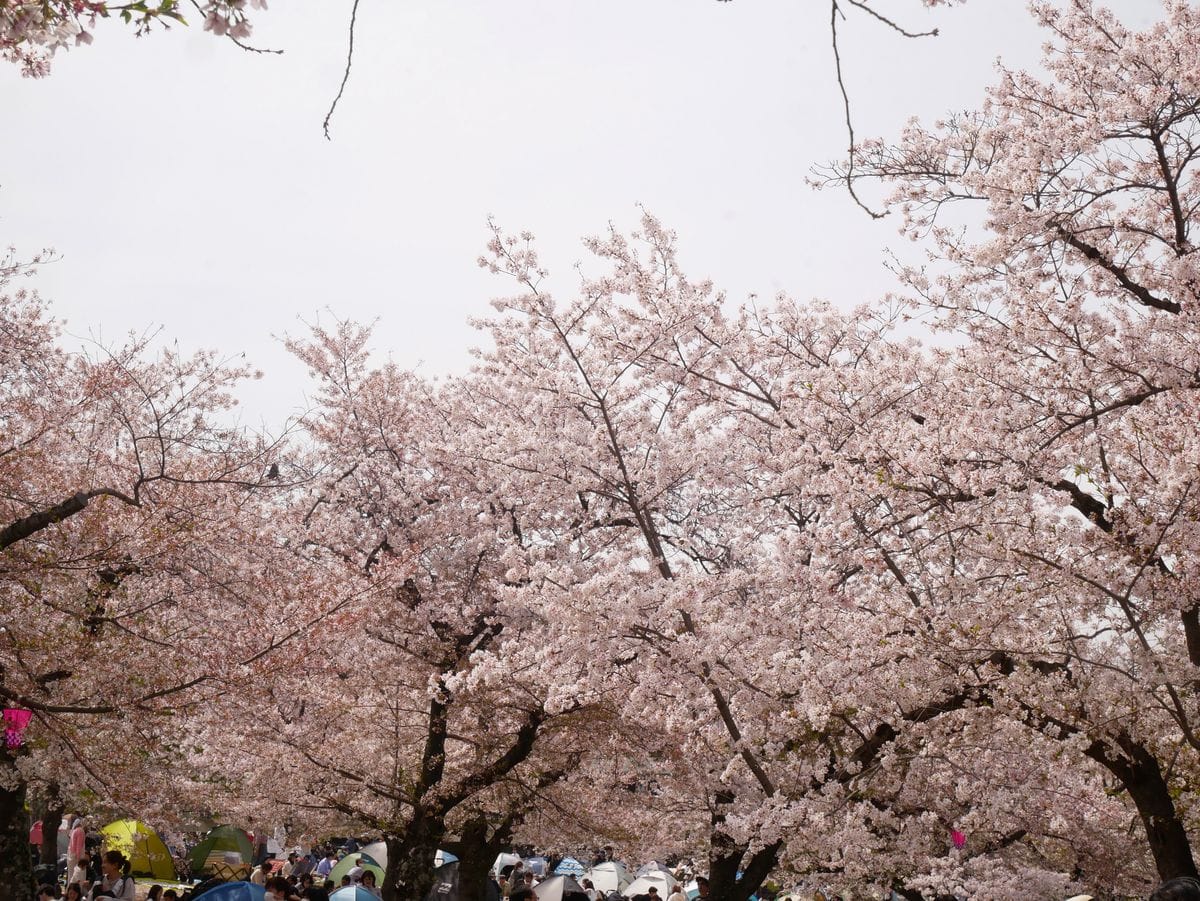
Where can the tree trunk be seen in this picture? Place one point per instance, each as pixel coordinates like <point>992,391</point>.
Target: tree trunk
<point>1142,777</point>
<point>476,854</point>
<point>409,873</point>
<point>16,872</point>
<point>725,860</point>
<point>51,820</point>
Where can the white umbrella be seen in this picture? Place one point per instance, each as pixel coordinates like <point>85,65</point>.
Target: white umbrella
<point>660,879</point>
<point>609,876</point>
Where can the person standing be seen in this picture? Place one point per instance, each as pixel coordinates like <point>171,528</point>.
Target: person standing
<point>76,843</point>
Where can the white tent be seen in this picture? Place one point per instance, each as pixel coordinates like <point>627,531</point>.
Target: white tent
<point>505,860</point>
<point>660,879</point>
<point>652,867</point>
<point>556,888</point>
<point>609,876</point>
<point>377,851</point>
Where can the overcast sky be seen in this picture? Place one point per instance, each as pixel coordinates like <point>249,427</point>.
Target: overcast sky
<point>186,184</point>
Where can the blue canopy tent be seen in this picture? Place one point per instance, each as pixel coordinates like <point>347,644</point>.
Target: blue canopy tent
<point>235,891</point>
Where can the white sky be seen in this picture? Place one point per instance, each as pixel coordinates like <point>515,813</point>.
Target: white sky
<point>187,184</point>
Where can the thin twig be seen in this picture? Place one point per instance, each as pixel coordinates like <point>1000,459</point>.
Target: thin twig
<point>834,12</point>
<point>345,76</point>
<point>236,41</point>
<point>254,49</point>
<point>865,7</point>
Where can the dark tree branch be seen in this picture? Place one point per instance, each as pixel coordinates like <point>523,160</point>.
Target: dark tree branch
<point>76,503</point>
<point>345,75</point>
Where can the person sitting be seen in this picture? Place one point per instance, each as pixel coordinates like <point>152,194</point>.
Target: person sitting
<point>325,867</point>
<point>79,874</point>
<point>368,882</point>
<point>346,880</point>
<point>278,889</point>
<point>115,881</point>
<point>261,872</point>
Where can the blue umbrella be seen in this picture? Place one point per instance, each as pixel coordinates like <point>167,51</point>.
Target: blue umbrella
<point>236,891</point>
<point>353,893</point>
<point>569,866</point>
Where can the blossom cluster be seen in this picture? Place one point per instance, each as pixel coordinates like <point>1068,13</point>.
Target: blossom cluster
<point>32,31</point>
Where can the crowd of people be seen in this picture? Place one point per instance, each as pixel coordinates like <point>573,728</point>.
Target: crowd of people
<point>518,884</point>
<point>281,880</point>
<point>90,875</point>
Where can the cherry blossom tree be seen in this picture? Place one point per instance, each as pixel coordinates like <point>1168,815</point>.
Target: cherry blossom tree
<point>755,557</point>
<point>1062,476</point>
<point>439,699</point>
<point>138,551</point>
<point>628,410</point>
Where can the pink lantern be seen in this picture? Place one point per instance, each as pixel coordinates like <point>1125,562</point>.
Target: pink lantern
<point>15,721</point>
<point>959,838</point>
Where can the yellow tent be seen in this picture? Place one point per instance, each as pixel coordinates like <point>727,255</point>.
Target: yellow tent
<point>147,854</point>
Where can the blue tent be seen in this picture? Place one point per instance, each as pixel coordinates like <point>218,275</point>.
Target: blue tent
<point>537,865</point>
<point>236,891</point>
<point>569,866</point>
<point>352,893</point>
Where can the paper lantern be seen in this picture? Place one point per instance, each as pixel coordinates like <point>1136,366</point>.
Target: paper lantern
<point>15,721</point>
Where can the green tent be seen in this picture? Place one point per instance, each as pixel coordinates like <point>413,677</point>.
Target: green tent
<point>222,847</point>
<point>366,861</point>
<point>147,854</point>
